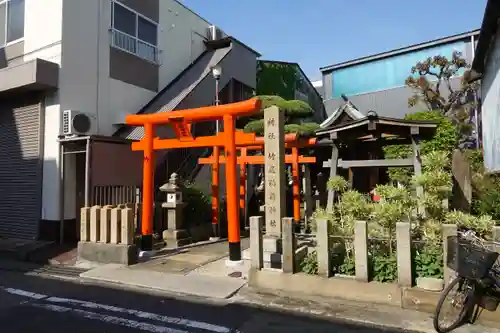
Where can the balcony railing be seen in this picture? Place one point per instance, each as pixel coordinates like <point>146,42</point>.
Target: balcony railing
<point>133,45</point>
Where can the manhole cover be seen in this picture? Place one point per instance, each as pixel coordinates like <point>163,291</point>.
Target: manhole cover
<point>235,274</point>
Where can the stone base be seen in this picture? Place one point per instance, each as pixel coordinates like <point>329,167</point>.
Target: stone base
<point>430,284</point>
<point>231,263</point>
<point>272,244</point>
<point>108,253</point>
<point>274,260</point>
<point>176,238</point>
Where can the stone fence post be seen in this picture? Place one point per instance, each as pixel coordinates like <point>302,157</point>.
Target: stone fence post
<point>288,244</point>
<point>85,224</point>
<point>107,235</point>
<point>495,233</point>
<point>361,251</point>
<point>403,252</point>
<point>95,224</point>
<point>105,232</point>
<point>256,252</point>
<point>127,226</point>
<point>322,247</point>
<point>448,230</point>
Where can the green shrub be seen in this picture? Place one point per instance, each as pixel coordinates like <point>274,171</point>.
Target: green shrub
<point>384,267</point>
<point>445,140</point>
<point>428,261</point>
<point>198,206</point>
<point>485,187</point>
<point>309,264</point>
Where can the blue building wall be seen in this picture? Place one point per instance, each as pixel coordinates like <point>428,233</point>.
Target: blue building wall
<point>385,73</point>
<point>379,85</point>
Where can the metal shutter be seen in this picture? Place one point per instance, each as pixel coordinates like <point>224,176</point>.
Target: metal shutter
<point>20,169</point>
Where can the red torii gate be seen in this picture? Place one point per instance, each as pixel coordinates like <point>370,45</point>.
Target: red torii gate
<point>292,141</point>
<point>181,122</point>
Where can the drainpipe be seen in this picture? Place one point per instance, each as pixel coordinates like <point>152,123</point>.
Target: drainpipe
<point>61,194</point>
<point>88,154</point>
<point>476,120</point>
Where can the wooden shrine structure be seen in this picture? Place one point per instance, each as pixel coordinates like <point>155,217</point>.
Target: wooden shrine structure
<point>356,147</point>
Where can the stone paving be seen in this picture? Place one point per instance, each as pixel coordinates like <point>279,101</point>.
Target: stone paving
<point>187,259</point>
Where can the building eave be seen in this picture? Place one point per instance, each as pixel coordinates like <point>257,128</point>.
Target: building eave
<point>402,50</point>
<point>489,27</point>
<point>257,54</point>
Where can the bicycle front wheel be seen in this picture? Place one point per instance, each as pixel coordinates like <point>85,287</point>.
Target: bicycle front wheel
<point>458,297</point>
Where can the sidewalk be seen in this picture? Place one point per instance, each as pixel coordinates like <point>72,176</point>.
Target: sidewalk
<point>385,317</point>
<point>210,282</point>
<point>196,270</point>
<point>191,284</point>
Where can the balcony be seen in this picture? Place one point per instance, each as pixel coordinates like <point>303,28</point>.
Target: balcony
<point>135,46</point>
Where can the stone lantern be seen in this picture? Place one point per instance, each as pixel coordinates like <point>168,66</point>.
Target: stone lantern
<point>175,235</point>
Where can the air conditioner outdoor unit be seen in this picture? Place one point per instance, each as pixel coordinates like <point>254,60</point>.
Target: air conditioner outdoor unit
<point>77,123</point>
<point>214,33</point>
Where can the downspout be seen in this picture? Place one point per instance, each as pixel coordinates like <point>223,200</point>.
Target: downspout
<point>98,67</point>
<point>88,156</point>
<point>476,120</point>
<point>61,193</point>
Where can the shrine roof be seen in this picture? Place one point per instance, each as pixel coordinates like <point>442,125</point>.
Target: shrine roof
<point>377,126</point>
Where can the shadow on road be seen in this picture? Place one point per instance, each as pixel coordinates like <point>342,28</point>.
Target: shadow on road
<point>38,304</point>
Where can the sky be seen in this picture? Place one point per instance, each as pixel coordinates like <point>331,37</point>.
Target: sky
<point>318,33</point>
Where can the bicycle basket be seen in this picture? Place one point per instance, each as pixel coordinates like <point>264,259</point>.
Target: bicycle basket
<point>468,259</point>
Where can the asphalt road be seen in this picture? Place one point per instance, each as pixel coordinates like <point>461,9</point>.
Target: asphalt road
<point>34,304</point>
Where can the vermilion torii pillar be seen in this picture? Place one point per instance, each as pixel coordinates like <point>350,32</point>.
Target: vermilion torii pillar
<point>181,122</point>
<point>292,141</point>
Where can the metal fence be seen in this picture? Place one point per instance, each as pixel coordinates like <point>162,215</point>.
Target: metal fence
<point>103,195</point>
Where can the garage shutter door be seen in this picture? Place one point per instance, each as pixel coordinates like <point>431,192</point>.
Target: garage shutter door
<point>20,170</point>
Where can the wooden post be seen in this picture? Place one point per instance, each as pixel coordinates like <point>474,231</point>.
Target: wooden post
<point>308,194</point>
<point>333,173</point>
<point>417,167</point>
<point>351,178</point>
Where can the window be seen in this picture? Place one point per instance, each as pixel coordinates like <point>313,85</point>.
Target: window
<point>11,21</point>
<point>134,33</point>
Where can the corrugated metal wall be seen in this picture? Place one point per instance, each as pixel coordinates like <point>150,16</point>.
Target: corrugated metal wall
<point>20,170</point>
<point>378,88</point>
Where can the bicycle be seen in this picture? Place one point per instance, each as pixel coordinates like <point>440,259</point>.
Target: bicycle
<point>477,280</point>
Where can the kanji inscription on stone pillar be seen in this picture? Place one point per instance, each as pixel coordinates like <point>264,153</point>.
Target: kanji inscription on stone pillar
<point>274,150</point>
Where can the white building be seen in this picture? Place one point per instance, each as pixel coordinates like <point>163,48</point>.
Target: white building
<point>69,72</point>
<point>487,65</point>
